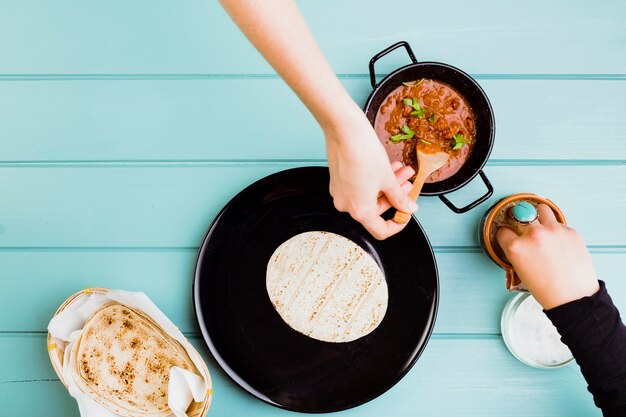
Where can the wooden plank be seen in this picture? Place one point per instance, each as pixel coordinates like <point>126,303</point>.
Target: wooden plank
<point>43,280</point>
<point>198,37</point>
<point>479,375</point>
<point>172,205</point>
<point>473,292</point>
<point>471,299</point>
<point>28,375</point>
<point>207,120</point>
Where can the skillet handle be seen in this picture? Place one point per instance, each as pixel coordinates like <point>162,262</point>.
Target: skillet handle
<point>385,52</point>
<point>473,204</point>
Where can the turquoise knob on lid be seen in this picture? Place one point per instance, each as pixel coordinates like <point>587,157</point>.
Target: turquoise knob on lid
<point>524,212</point>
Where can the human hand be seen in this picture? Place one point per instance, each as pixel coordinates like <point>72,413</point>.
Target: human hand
<point>551,259</point>
<point>362,182</point>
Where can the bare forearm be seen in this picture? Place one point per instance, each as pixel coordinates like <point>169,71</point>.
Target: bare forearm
<point>276,28</point>
<point>362,181</point>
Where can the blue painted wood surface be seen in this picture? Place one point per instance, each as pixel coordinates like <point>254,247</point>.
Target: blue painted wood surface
<point>121,139</point>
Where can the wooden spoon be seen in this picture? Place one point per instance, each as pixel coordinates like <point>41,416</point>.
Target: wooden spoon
<point>428,163</point>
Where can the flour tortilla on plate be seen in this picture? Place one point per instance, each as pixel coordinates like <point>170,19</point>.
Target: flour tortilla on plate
<point>327,287</point>
<point>122,360</point>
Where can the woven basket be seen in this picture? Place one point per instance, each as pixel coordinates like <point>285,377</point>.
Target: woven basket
<point>196,409</point>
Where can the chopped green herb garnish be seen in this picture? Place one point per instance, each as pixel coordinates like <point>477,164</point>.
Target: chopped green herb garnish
<point>398,138</point>
<point>407,130</point>
<point>408,134</point>
<point>412,83</point>
<point>432,118</point>
<point>426,142</point>
<point>417,110</point>
<point>459,141</point>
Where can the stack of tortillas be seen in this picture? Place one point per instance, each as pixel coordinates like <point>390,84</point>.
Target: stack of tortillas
<point>119,355</point>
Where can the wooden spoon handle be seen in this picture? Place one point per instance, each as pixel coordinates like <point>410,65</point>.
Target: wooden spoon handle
<point>402,217</point>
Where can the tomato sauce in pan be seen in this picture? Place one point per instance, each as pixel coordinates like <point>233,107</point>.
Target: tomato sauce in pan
<point>431,116</point>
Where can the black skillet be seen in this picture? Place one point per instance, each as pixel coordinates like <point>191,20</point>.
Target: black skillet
<point>473,93</point>
<point>250,341</point>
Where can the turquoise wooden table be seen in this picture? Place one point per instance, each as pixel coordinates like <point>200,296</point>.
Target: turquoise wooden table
<point>122,136</point>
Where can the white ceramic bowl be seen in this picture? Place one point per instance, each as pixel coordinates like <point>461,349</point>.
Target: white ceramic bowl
<point>519,347</point>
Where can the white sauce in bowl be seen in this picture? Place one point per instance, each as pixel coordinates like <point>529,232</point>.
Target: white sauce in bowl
<point>530,335</point>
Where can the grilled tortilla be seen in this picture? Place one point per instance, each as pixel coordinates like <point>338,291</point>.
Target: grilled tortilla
<point>122,360</point>
<point>326,287</point>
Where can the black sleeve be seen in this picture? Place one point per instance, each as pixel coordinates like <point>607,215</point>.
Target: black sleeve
<point>593,330</point>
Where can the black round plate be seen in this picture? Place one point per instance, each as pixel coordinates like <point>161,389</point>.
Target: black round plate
<point>257,349</point>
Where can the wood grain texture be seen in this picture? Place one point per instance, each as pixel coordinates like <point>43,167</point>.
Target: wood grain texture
<point>172,206</point>
<point>122,134</point>
<point>207,120</point>
<point>490,36</point>
<point>479,374</point>
<point>472,292</point>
